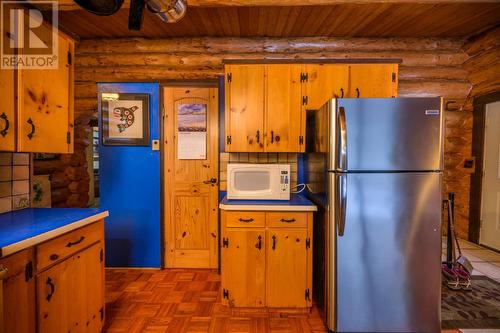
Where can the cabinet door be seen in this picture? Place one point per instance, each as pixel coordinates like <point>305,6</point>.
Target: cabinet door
<point>18,293</point>
<point>70,294</point>
<point>286,273</point>
<point>325,82</point>
<point>243,267</point>
<point>7,126</point>
<point>373,80</point>
<point>244,109</point>
<point>284,114</point>
<point>45,105</point>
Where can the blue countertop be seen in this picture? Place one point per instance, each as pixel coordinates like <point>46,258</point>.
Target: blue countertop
<point>296,203</point>
<point>27,227</point>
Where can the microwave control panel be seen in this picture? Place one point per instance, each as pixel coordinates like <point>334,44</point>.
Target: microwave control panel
<point>285,181</point>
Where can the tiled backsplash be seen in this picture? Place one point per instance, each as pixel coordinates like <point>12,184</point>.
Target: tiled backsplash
<point>15,173</point>
<point>257,158</point>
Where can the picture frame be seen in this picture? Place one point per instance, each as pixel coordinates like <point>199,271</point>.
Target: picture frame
<point>124,119</point>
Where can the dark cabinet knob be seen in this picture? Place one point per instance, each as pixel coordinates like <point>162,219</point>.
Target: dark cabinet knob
<point>4,131</point>
<point>33,128</point>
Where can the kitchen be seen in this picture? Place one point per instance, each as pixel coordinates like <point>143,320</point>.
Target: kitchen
<point>193,107</point>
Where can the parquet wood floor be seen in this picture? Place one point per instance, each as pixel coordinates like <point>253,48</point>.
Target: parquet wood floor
<point>188,301</point>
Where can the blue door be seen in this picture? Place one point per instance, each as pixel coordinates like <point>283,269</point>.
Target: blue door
<point>130,187</point>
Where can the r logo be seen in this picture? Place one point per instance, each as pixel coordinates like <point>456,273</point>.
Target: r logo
<point>28,42</point>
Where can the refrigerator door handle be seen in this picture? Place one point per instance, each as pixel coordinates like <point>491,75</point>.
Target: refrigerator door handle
<point>342,162</point>
<point>341,203</point>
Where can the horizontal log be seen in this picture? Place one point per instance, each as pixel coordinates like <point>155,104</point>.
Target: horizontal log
<point>210,45</point>
<point>43,167</point>
<point>487,40</point>
<point>58,179</point>
<point>77,200</point>
<point>59,195</point>
<point>483,59</point>
<point>484,88</point>
<point>76,173</point>
<point>81,186</point>
<point>425,73</point>
<point>86,89</point>
<point>450,90</point>
<point>126,73</point>
<point>214,62</point>
<point>489,74</point>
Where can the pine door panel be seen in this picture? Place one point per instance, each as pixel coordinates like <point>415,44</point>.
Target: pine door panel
<point>45,109</point>
<point>284,113</point>
<point>286,273</point>
<point>7,125</point>
<point>372,80</point>
<point>94,286</point>
<point>191,186</point>
<point>18,294</point>
<point>243,264</point>
<point>245,108</point>
<point>325,82</point>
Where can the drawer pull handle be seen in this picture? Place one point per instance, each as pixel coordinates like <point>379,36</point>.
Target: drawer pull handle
<point>288,221</point>
<point>259,243</point>
<point>274,242</point>
<point>53,257</point>
<point>341,92</point>
<point>357,92</point>
<point>52,289</point>
<point>245,220</point>
<point>7,124</point>
<point>33,128</point>
<point>70,244</point>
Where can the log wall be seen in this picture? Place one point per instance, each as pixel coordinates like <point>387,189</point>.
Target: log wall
<point>430,67</point>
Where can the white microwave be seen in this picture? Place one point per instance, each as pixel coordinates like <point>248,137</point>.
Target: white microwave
<point>258,181</point>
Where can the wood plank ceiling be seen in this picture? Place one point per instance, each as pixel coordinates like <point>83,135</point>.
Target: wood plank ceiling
<point>338,20</point>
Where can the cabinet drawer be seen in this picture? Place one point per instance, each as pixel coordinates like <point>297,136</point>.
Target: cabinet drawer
<point>63,246</point>
<point>286,219</point>
<point>245,219</point>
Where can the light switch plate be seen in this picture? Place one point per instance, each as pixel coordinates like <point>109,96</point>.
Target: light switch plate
<point>155,144</point>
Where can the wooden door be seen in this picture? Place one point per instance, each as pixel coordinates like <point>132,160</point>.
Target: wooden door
<point>284,114</point>
<point>373,80</point>
<point>286,273</point>
<point>243,267</point>
<point>7,124</point>
<point>244,111</point>
<point>70,294</point>
<point>18,293</point>
<point>325,82</point>
<point>490,210</point>
<point>45,102</point>
<point>191,185</point>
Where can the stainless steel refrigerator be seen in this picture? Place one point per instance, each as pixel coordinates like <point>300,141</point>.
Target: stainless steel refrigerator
<point>374,167</point>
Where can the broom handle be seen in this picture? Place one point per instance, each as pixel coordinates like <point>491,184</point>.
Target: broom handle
<point>451,211</point>
<point>452,228</point>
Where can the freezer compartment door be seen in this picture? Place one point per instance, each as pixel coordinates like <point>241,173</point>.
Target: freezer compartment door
<point>388,252</point>
<point>384,134</point>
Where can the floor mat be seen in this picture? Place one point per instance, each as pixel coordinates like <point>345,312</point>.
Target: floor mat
<point>479,308</point>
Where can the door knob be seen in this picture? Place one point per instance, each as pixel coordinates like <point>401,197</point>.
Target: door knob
<point>212,181</point>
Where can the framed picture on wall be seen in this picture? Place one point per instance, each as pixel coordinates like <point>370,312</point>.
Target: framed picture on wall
<point>125,119</point>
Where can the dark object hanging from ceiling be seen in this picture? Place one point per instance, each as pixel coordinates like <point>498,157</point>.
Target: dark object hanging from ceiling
<point>100,7</point>
<point>136,14</point>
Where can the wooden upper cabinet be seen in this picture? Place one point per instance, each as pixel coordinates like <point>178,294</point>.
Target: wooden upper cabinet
<point>324,82</point>
<point>287,271</point>
<point>7,111</point>
<point>45,109</point>
<point>243,264</point>
<point>284,114</point>
<point>373,80</point>
<point>244,108</point>
<point>18,293</point>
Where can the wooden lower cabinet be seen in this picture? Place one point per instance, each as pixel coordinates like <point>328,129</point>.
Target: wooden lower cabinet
<point>70,294</point>
<point>268,266</point>
<point>65,296</point>
<point>18,299</point>
<point>286,274</point>
<point>244,267</point>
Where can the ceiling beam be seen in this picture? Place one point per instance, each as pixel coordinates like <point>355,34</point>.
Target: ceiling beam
<point>71,5</point>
